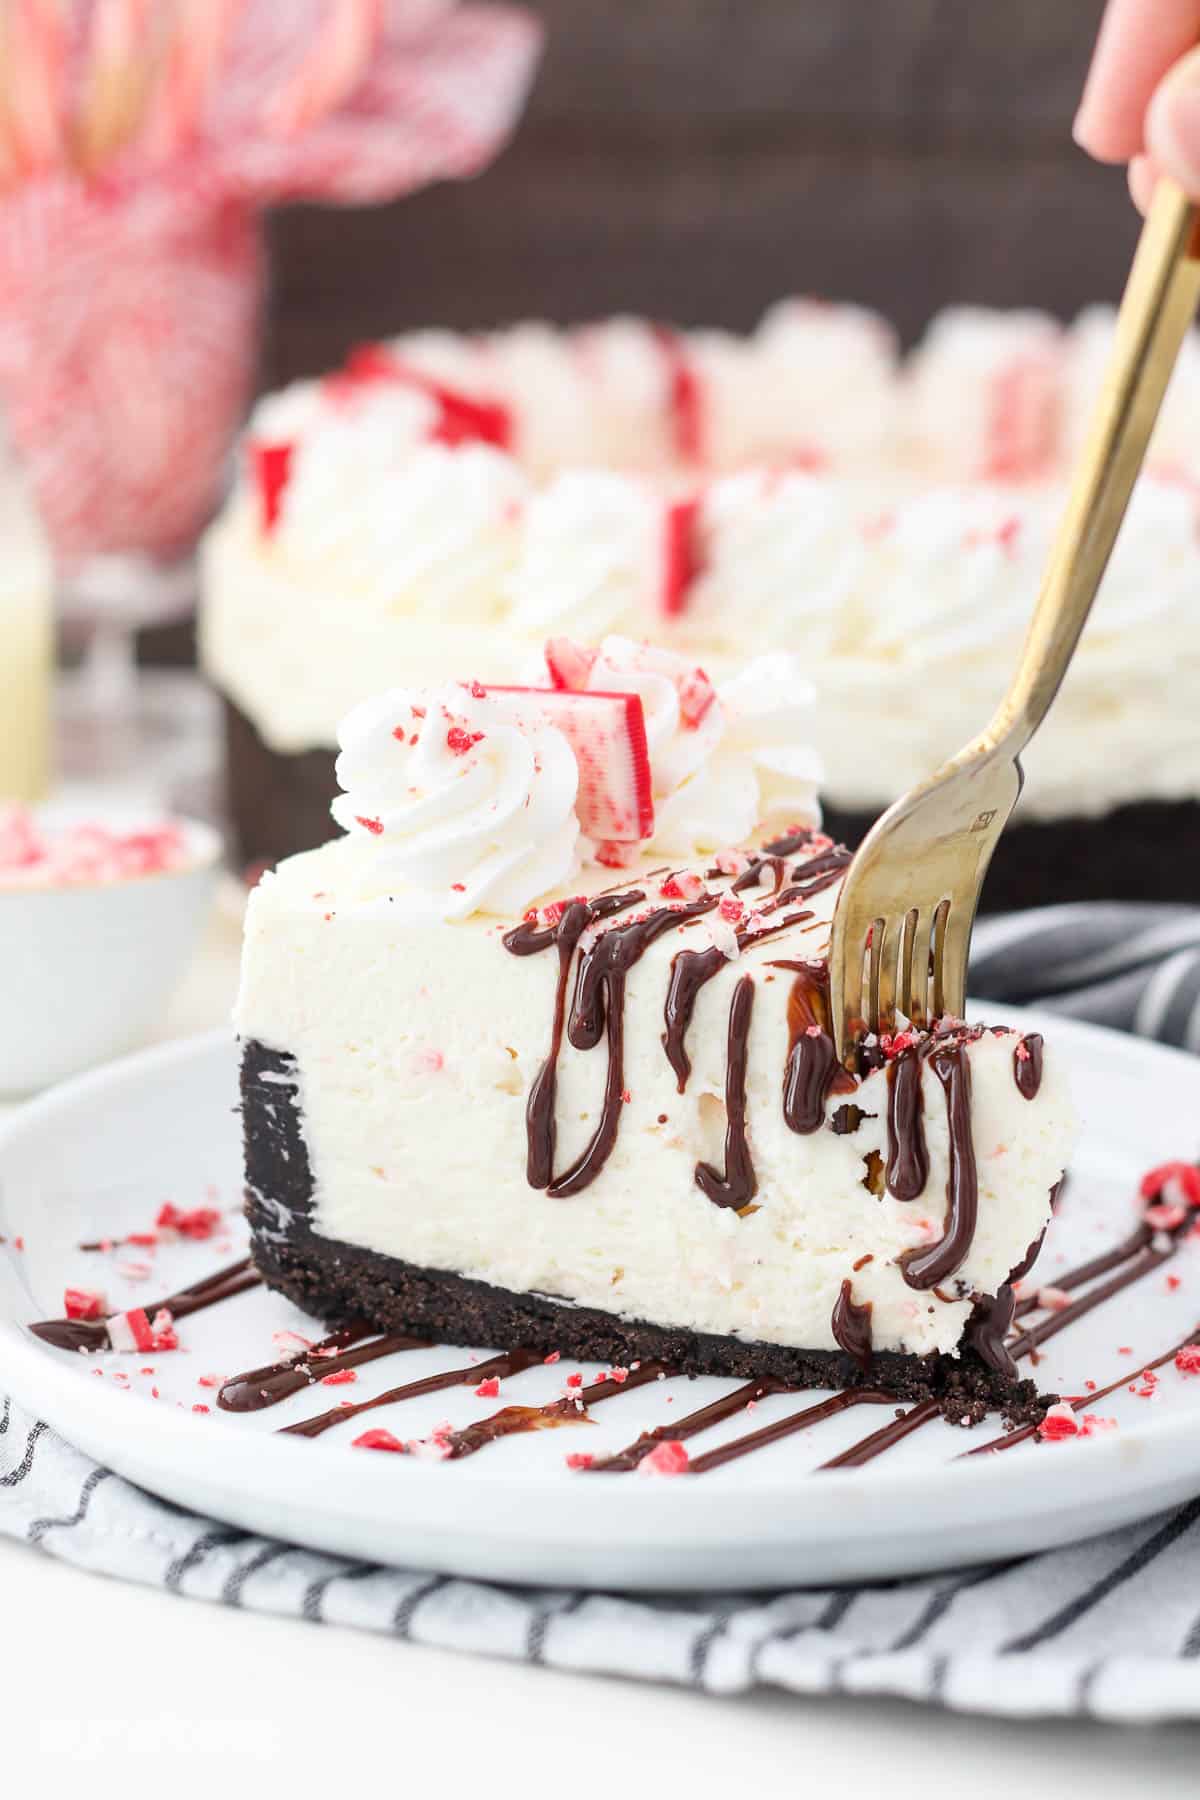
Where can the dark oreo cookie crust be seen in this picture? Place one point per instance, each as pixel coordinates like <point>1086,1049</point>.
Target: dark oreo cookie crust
<point>335,1282</point>
<point>1146,851</point>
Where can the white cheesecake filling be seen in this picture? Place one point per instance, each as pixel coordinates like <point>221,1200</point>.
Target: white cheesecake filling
<point>416,1040</point>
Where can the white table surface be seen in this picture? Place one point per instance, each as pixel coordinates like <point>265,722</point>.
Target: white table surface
<point>109,1684</point>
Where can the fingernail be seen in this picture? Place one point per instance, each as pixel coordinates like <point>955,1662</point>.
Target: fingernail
<point>1173,124</point>
<point>1142,176</point>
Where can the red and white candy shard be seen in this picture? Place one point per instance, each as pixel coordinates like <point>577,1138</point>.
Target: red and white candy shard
<point>132,1330</point>
<point>83,1303</point>
<point>607,733</point>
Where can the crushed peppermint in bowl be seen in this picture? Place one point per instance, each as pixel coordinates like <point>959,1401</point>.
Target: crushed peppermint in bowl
<point>98,916</point>
<point>35,852</point>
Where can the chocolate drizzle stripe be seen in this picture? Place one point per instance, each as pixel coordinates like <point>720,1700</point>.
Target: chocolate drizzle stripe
<point>255,1389</point>
<point>509,1362</point>
<point>529,939</point>
<point>621,1462</point>
<point>1087,1271</point>
<point>907,1168</point>
<point>92,1334</point>
<point>1027,1065</point>
<point>925,1268</point>
<point>812,1072</point>
<point>870,1447</point>
<point>851,1326</point>
<point>1024,1432</point>
<point>737,1185</point>
<point>782,1428</point>
<point>691,970</point>
<point>1142,1263</point>
<point>572,1409</point>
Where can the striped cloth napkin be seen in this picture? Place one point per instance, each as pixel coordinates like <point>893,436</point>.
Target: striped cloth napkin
<point>1108,1629</point>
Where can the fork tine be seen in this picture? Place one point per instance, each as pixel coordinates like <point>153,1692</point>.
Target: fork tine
<point>916,978</point>
<point>874,969</point>
<point>957,940</point>
<point>891,951</point>
<point>937,1004</point>
<point>847,962</point>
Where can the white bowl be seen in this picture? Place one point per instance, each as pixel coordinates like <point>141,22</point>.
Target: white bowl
<point>86,971</point>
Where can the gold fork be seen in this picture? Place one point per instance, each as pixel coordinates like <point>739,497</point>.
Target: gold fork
<point>902,928</point>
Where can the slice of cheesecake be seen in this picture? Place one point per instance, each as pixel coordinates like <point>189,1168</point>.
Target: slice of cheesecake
<point>610,1122</point>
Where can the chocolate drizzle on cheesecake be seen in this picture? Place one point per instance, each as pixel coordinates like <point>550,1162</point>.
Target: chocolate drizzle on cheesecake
<point>925,1268</point>
<point>752,877</point>
<point>528,939</point>
<point>690,970</point>
<point>992,1316</point>
<point>907,1168</point>
<point>598,1011</point>
<point>1027,1065</point>
<point>738,1184</point>
<point>851,1326</point>
<point>812,1071</point>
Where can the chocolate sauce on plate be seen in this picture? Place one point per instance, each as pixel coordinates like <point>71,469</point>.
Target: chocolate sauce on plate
<point>255,1389</point>
<point>92,1334</point>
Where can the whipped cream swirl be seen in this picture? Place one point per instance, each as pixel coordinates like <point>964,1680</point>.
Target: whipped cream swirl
<point>723,759</point>
<point>460,804</point>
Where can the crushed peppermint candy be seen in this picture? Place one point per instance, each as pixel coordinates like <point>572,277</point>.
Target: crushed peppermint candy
<point>377,1439</point>
<point>1062,1422</point>
<point>132,1330</point>
<point>339,1377</point>
<point>1176,1183</point>
<point>198,1223</point>
<point>488,1388</point>
<point>1059,1422</point>
<point>1187,1360</point>
<point>459,740</point>
<point>580,1459</point>
<point>684,884</point>
<point>667,1458</point>
<point>35,855</point>
<point>83,1303</point>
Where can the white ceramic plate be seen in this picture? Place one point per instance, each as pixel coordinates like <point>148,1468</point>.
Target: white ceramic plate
<point>98,1156</point>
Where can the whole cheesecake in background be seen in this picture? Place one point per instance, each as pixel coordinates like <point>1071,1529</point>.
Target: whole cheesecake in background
<point>517,1073</point>
<point>448,503</point>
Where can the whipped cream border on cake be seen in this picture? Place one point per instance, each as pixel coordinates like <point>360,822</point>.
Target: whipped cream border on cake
<point>890,529</point>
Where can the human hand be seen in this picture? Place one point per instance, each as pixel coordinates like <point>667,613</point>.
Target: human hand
<point>1141,100</point>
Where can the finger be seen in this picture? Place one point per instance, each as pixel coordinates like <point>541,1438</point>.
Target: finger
<point>1173,124</point>
<point>1143,173</point>
<point>1137,44</point>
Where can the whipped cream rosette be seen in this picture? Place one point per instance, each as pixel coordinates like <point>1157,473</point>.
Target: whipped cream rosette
<point>462,803</point>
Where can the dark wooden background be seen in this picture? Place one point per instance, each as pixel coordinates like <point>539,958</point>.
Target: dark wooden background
<point>695,159</point>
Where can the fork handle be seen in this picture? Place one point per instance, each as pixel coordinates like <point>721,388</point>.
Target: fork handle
<point>1157,308</point>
